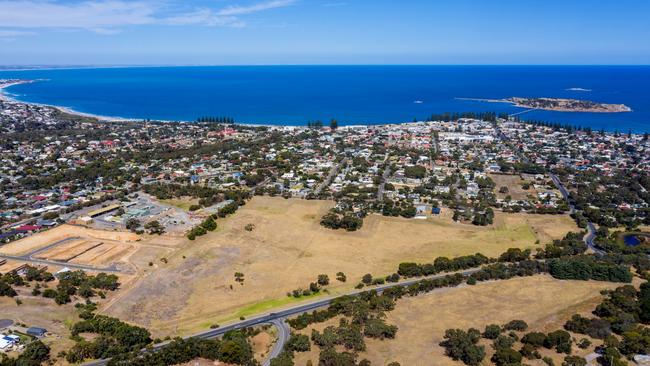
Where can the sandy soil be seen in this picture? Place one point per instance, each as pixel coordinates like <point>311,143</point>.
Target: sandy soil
<point>69,250</point>
<point>105,253</point>
<point>422,320</point>
<point>288,249</point>
<point>204,362</point>
<point>263,342</point>
<point>40,240</point>
<point>9,266</point>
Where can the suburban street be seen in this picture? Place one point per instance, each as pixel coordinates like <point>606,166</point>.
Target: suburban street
<point>335,169</point>
<point>591,229</point>
<point>380,190</point>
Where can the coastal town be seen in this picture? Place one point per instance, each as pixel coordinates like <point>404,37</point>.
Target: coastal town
<point>324,183</point>
<point>100,215</point>
<point>470,165</point>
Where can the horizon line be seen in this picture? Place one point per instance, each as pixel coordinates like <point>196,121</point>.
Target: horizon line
<point>32,67</point>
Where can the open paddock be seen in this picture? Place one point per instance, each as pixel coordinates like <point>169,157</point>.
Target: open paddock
<point>422,320</point>
<point>288,249</point>
<point>514,184</point>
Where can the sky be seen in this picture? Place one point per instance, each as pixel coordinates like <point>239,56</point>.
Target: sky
<point>253,32</point>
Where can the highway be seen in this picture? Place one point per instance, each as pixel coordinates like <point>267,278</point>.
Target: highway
<point>278,318</point>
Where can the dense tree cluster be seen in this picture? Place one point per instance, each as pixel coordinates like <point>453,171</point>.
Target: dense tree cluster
<point>234,349</point>
<point>464,345</point>
<point>79,283</point>
<point>72,283</point>
<point>448,117</point>
<point>442,264</point>
<point>600,198</point>
<point>622,312</point>
<point>209,224</point>
<point>336,219</point>
<point>213,119</point>
<point>571,244</point>
<point>35,354</point>
<point>115,337</point>
<point>585,267</point>
<point>399,208</point>
<point>415,171</point>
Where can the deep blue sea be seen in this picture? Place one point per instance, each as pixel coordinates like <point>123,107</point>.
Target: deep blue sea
<point>293,95</point>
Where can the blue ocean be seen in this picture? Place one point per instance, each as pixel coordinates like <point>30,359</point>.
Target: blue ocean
<point>293,95</point>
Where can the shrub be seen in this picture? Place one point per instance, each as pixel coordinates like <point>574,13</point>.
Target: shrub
<point>518,325</point>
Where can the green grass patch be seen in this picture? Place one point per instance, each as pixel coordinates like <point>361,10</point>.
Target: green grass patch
<point>264,306</point>
<point>24,338</point>
<point>183,204</point>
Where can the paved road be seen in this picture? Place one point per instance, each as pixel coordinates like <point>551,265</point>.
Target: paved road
<point>20,223</point>
<point>384,178</point>
<point>335,169</point>
<point>281,315</point>
<point>591,229</point>
<point>284,332</point>
<point>48,247</point>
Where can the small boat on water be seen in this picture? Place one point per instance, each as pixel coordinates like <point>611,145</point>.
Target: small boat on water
<point>418,102</point>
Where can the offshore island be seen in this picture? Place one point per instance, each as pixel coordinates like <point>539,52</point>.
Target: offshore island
<point>559,104</point>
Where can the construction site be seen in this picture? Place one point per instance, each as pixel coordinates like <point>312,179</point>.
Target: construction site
<point>72,247</point>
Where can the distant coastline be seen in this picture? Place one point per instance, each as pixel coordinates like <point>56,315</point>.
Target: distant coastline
<point>8,98</point>
<point>353,95</point>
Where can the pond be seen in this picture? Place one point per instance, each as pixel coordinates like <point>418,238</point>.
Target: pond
<point>631,240</point>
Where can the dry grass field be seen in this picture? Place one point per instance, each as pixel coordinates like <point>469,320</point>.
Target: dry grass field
<point>288,249</point>
<point>41,312</point>
<point>263,342</point>
<point>513,182</point>
<point>422,320</point>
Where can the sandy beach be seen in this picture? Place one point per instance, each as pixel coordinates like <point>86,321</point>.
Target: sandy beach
<point>4,84</point>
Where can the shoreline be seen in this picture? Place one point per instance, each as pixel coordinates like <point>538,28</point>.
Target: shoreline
<point>5,97</point>
<point>7,83</point>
